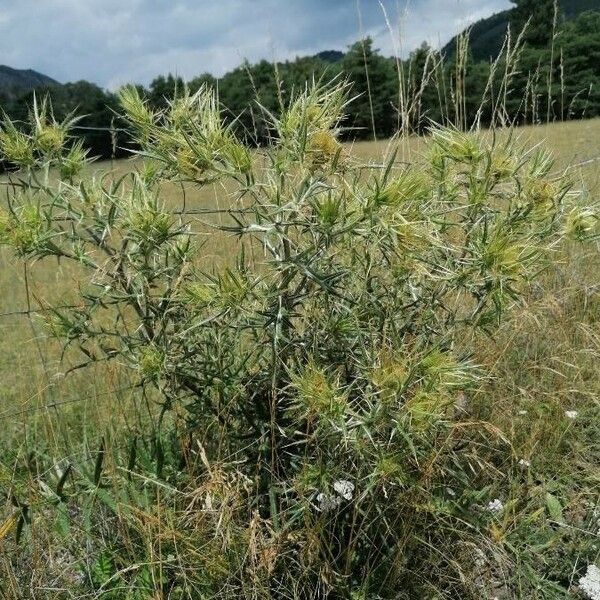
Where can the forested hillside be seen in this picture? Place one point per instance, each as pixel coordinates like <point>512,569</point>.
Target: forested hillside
<point>487,35</point>
<point>16,82</point>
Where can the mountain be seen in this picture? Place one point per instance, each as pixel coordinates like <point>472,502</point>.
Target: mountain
<point>330,56</point>
<point>487,35</point>
<point>17,81</point>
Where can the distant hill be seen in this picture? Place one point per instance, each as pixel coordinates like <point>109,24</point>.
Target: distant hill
<point>488,34</point>
<point>330,56</point>
<point>17,81</point>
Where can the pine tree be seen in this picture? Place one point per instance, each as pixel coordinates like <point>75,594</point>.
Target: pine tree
<point>372,113</point>
<point>163,89</point>
<point>540,16</point>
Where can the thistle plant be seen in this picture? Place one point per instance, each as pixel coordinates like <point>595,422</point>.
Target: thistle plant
<point>321,368</point>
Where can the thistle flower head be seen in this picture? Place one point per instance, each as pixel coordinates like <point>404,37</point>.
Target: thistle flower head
<point>145,221</point>
<point>307,127</point>
<point>458,146</point>
<point>49,138</point>
<point>151,361</point>
<point>136,109</point>
<point>149,226</point>
<point>323,147</point>
<point>74,162</point>
<point>540,194</point>
<point>24,231</point>
<point>502,164</point>
<point>581,223</point>
<point>316,397</point>
<point>16,147</point>
<point>410,188</point>
<point>199,294</point>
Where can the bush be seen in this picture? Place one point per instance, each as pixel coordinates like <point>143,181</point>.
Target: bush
<point>323,372</point>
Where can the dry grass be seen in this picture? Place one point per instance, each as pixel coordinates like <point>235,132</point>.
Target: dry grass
<point>543,361</point>
<point>23,381</point>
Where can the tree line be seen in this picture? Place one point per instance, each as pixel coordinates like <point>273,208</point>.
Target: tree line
<point>554,75</point>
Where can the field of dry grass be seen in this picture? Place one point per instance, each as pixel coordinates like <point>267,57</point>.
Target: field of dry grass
<point>543,362</point>
<point>28,383</point>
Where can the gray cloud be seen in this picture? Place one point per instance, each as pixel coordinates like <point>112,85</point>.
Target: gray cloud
<point>115,41</point>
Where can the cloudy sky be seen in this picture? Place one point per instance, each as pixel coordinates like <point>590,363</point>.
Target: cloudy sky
<point>112,42</point>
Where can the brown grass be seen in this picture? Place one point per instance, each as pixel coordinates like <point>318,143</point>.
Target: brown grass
<point>92,400</point>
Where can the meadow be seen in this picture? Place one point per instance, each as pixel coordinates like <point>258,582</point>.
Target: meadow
<point>27,371</point>
<point>541,398</point>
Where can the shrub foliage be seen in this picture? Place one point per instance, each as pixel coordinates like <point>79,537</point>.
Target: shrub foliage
<point>323,371</point>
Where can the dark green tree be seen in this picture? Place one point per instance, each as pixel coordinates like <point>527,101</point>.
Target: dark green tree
<point>242,92</point>
<point>205,79</point>
<point>538,15</point>
<point>423,88</point>
<point>373,112</point>
<point>163,89</point>
<point>580,47</point>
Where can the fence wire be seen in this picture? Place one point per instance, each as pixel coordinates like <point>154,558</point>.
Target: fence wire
<point>58,403</point>
<point>29,312</point>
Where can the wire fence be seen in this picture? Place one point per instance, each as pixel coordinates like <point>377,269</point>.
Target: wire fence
<point>28,311</point>
<point>58,403</point>
<point>34,311</point>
